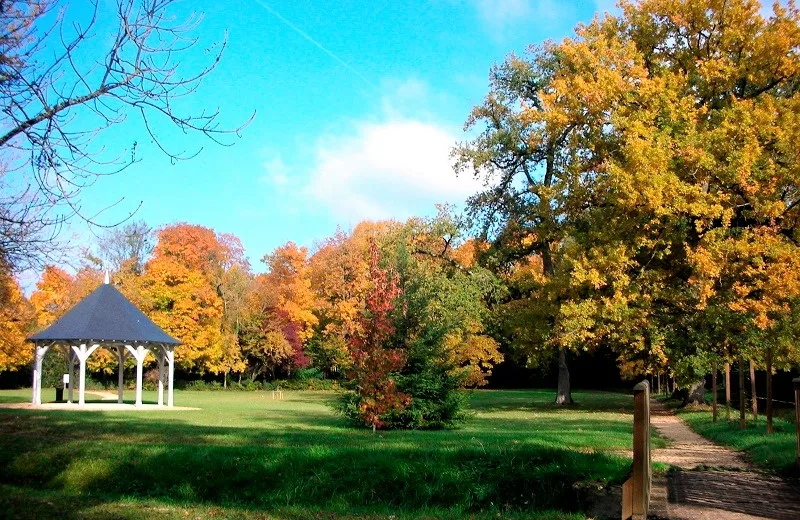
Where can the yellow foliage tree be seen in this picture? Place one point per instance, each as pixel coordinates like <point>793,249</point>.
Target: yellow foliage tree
<point>17,317</point>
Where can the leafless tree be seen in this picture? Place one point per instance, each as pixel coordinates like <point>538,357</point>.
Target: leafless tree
<point>55,102</point>
<point>127,246</point>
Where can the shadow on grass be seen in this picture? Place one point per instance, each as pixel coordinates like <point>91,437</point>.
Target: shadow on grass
<point>544,401</point>
<point>332,468</point>
<point>736,492</point>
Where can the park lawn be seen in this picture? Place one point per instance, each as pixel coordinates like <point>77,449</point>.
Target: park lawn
<point>775,453</point>
<point>245,455</point>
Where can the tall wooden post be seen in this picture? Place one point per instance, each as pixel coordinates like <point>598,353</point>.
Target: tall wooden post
<point>160,357</point>
<point>714,390</point>
<point>769,390</point>
<point>170,374</point>
<point>636,490</point>
<point>753,391</point>
<point>727,391</point>
<point>138,354</point>
<point>742,423</point>
<point>796,382</point>
<point>121,353</point>
<point>71,372</point>
<point>83,352</point>
<point>39,352</point>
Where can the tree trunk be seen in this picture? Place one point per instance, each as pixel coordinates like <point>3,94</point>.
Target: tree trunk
<point>696,394</point>
<point>769,390</point>
<point>727,391</point>
<point>658,382</point>
<point>741,394</point>
<point>564,395</point>
<point>753,393</point>
<point>225,381</point>
<point>714,391</point>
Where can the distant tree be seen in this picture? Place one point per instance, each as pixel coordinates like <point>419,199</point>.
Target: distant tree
<point>183,295</point>
<point>127,247</point>
<point>57,99</point>
<point>288,276</point>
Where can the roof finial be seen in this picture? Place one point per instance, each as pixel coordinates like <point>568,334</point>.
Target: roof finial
<point>106,280</point>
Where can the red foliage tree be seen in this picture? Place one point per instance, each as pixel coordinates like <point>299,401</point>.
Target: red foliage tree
<point>373,364</point>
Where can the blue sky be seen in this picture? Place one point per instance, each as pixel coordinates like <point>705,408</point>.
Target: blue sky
<point>357,107</point>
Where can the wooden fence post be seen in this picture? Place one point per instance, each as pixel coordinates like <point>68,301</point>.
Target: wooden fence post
<point>796,382</point>
<point>636,490</point>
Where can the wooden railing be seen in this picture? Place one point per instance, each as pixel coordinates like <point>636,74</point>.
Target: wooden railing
<point>636,490</point>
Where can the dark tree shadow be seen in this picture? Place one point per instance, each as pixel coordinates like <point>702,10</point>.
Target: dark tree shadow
<point>736,492</point>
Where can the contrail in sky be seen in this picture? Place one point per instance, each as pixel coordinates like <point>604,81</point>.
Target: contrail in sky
<point>318,45</point>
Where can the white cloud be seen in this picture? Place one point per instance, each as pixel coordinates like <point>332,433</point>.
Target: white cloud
<point>276,172</point>
<point>501,14</point>
<point>389,169</point>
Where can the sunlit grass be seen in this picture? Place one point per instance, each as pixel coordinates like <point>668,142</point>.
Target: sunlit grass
<point>245,455</point>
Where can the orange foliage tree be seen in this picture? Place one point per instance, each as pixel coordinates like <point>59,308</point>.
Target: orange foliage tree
<point>17,317</point>
<point>183,285</point>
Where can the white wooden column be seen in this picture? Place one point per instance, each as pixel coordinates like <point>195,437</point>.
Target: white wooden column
<point>71,372</point>
<point>138,354</point>
<point>170,354</point>
<point>160,357</point>
<point>38,357</point>
<point>121,355</point>
<point>83,354</point>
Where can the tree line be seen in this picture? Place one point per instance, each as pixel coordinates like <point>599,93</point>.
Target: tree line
<point>310,309</point>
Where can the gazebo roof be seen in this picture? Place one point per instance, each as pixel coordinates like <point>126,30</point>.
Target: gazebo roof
<point>105,316</point>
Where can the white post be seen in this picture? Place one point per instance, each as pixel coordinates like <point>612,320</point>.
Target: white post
<point>71,371</point>
<point>121,358</point>
<point>38,357</point>
<point>170,372</point>
<point>83,354</point>
<point>139,353</point>
<point>161,376</point>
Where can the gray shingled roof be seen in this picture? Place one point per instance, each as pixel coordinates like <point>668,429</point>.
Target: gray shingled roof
<point>105,316</point>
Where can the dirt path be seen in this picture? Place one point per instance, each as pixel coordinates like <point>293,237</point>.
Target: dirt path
<point>711,482</point>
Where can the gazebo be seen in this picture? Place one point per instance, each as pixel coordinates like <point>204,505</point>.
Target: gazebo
<point>105,318</point>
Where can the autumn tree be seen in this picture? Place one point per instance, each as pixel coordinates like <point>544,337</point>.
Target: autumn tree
<point>677,202</point>
<point>375,363</point>
<point>339,275</point>
<point>706,166</point>
<point>17,318</point>
<point>270,338</point>
<point>535,154</point>
<point>183,284</point>
<point>289,277</point>
<point>57,104</point>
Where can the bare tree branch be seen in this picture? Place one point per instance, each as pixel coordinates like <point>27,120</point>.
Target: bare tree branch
<point>55,103</point>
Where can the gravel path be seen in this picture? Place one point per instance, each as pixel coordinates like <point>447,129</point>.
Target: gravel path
<point>711,482</point>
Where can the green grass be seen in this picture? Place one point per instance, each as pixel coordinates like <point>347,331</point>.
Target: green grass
<point>775,452</point>
<point>246,455</point>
